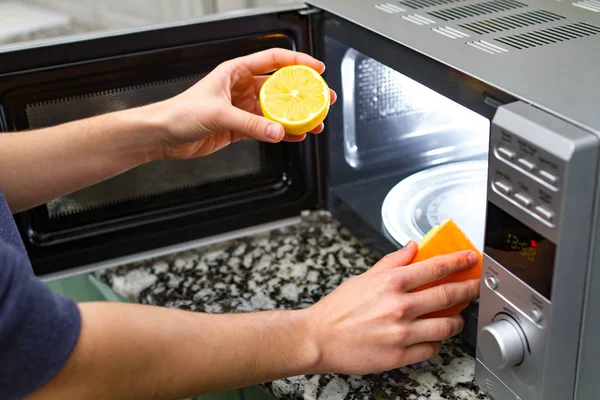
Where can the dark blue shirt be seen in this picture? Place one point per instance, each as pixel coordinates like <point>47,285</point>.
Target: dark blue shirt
<point>38,329</point>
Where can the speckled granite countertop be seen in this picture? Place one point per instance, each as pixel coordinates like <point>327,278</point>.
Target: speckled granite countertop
<point>291,268</point>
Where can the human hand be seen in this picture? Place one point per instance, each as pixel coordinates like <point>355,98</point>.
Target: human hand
<point>370,322</point>
<point>223,107</point>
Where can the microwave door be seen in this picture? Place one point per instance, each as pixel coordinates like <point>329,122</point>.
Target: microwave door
<point>166,203</point>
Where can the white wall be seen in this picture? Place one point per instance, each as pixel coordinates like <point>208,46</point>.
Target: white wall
<point>126,13</point>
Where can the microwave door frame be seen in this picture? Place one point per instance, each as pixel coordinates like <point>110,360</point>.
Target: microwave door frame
<point>40,58</point>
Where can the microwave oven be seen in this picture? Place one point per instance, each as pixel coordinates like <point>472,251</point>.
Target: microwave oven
<point>486,111</point>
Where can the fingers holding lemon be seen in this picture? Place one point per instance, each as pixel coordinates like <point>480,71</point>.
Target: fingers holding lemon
<point>297,97</point>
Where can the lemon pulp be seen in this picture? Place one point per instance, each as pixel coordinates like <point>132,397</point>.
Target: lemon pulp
<point>296,97</point>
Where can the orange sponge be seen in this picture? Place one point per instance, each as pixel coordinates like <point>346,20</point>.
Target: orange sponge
<point>443,239</point>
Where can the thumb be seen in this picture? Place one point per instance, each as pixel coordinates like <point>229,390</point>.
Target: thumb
<point>398,258</point>
<point>251,125</point>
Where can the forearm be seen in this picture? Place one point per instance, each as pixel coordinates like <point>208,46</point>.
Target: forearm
<point>38,166</point>
<point>128,351</point>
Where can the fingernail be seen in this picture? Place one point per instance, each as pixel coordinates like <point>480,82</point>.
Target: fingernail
<point>473,259</point>
<point>410,244</point>
<point>273,131</point>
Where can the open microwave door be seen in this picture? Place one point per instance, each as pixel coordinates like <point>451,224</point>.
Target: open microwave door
<point>162,204</point>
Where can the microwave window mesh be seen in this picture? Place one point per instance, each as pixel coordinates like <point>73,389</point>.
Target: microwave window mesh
<point>58,111</point>
<point>384,93</point>
<point>240,159</point>
<point>389,116</point>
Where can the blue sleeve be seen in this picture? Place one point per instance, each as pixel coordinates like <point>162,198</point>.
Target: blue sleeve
<point>38,329</point>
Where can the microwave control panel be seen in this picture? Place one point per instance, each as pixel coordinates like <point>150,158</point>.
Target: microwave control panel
<point>539,205</point>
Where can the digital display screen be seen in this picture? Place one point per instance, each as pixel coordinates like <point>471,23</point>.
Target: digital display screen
<point>519,249</point>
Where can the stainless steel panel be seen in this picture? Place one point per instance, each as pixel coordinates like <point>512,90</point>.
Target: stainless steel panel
<point>514,301</point>
<point>552,329</point>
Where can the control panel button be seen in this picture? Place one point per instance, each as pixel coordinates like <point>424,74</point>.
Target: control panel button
<point>491,281</point>
<point>544,213</point>
<point>523,199</point>
<point>501,345</point>
<point>536,315</point>
<point>528,165</point>
<point>548,177</point>
<point>502,187</point>
<point>506,153</point>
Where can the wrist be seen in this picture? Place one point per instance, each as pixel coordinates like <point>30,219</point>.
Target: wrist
<point>298,353</point>
<point>146,128</point>
<point>309,349</point>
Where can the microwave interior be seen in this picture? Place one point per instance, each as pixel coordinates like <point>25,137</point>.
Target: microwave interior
<point>407,143</point>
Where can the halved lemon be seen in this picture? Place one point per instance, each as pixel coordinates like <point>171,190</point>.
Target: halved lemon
<point>297,97</point>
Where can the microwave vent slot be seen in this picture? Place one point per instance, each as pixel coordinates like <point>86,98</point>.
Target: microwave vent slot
<point>487,47</point>
<point>591,5</point>
<point>511,22</point>
<point>550,35</point>
<point>450,32</point>
<point>389,8</point>
<point>418,19</point>
<point>477,9</point>
<point>418,4</point>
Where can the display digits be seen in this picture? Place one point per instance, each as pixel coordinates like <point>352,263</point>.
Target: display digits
<point>526,249</point>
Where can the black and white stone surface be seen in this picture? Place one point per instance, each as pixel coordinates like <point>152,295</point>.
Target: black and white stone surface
<point>291,268</point>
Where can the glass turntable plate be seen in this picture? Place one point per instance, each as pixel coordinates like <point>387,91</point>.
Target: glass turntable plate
<point>429,197</point>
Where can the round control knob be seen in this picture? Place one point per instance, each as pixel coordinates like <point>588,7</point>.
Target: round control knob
<point>501,345</point>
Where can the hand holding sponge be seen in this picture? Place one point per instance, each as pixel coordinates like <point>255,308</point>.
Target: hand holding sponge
<point>444,239</point>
